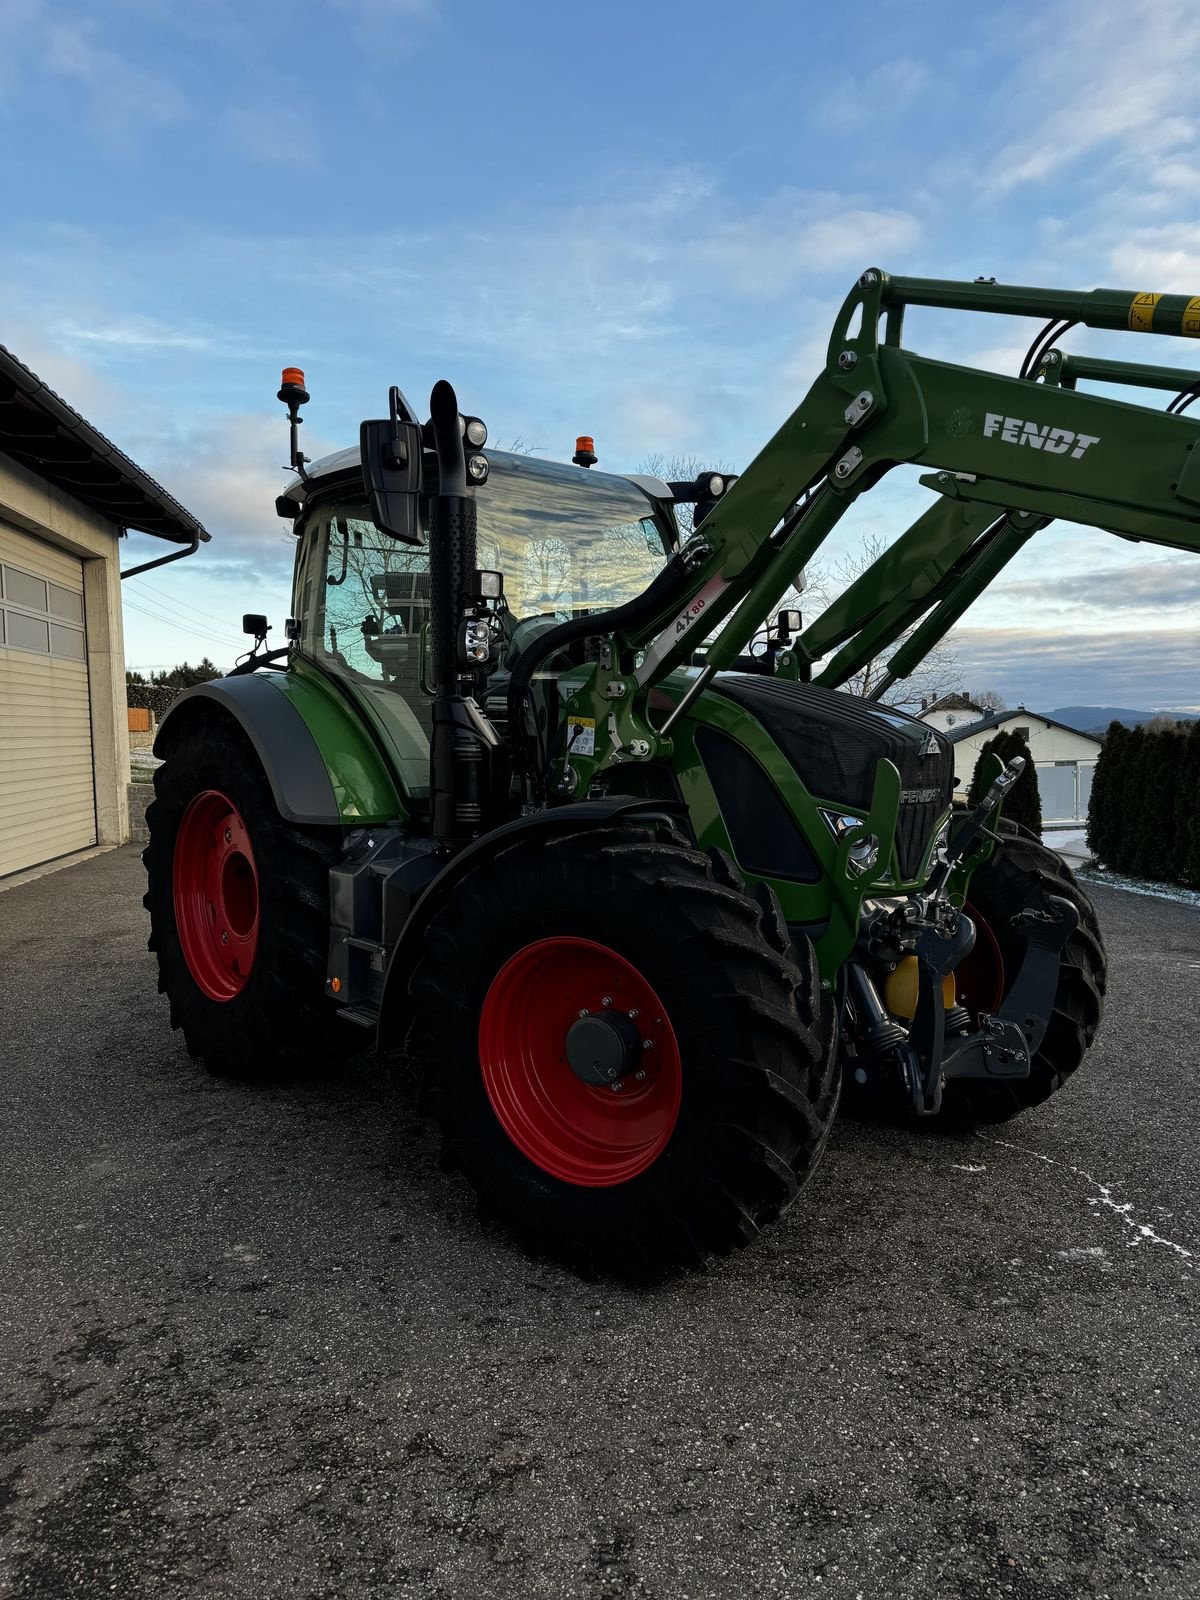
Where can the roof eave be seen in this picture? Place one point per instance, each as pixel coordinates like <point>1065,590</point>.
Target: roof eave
<point>130,498</point>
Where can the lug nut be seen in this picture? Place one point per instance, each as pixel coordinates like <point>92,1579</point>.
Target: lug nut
<point>224,935</point>
<point>228,835</point>
<point>633,1015</point>
<point>585,1013</point>
<point>616,1088</point>
<point>640,1076</point>
<point>847,359</point>
<point>607,1000</point>
<point>647,1044</point>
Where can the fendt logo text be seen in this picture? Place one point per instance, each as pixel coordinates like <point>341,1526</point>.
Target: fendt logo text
<point>1054,441</point>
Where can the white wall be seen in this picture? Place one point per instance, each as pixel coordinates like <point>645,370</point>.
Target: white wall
<point>1064,789</point>
<point>1046,743</point>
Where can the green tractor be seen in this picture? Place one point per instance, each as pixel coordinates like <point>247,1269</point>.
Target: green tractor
<point>537,794</point>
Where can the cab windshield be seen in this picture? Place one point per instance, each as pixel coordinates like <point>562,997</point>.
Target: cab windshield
<point>568,544</point>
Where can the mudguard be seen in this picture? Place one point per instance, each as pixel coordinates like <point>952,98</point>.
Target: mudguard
<point>561,819</point>
<point>323,765</point>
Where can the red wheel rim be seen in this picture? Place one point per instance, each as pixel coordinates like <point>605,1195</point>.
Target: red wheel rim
<point>583,1134</point>
<point>215,886</point>
<point>979,980</point>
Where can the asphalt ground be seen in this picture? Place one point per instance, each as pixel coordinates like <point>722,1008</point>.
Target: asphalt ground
<point>256,1343</point>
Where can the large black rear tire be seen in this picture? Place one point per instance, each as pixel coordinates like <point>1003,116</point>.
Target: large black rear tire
<point>1022,873</point>
<point>734,1019</point>
<point>227,874</point>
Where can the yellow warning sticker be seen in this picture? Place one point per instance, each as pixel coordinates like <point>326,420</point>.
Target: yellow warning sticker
<point>1141,312</point>
<point>581,736</point>
<point>1189,323</point>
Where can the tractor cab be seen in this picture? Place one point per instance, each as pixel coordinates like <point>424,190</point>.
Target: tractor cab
<point>567,543</point>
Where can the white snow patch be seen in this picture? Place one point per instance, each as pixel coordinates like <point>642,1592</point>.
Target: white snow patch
<point>1068,841</point>
<point>967,1166</point>
<point>1155,891</point>
<point>1083,1252</point>
<point>1142,1232</point>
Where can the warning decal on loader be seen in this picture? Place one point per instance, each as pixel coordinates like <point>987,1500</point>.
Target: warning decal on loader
<point>581,736</point>
<point>1141,312</point>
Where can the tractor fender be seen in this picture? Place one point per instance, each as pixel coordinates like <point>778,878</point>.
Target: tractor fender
<point>267,708</point>
<point>569,818</point>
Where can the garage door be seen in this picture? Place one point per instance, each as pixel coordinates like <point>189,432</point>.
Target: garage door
<point>47,800</point>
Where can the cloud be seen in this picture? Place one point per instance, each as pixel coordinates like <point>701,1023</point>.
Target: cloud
<point>883,94</point>
<point>1116,75</point>
<point>385,23</point>
<point>1166,259</point>
<point>1148,585</point>
<point>764,254</point>
<point>140,336</point>
<point>122,95</point>
<point>1044,669</point>
<point>277,136</point>
<point>18,21</point>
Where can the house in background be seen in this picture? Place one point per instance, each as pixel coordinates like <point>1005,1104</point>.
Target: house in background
<point>1065,759</point>
<point>66,497</point>
<point>951,711</point>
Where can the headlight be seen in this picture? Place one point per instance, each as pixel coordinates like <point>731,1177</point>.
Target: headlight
<point>477,469</point>
<point>864,855</point>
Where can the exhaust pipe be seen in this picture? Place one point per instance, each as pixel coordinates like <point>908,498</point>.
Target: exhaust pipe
<point>463,751</point>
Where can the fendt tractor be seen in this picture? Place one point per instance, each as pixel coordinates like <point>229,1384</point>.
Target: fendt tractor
<point>554,799</point>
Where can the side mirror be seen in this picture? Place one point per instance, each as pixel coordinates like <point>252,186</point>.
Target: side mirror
<point>391,468</point>
<point>255,624</point>
<point>788,622</point>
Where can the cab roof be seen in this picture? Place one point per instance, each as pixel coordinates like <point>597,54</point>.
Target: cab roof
<point>344,467</point>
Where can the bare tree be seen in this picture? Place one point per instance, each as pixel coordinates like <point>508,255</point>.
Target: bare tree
<point>990,700</point>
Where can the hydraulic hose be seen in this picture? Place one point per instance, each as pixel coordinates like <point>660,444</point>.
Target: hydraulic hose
<point>633,614</point>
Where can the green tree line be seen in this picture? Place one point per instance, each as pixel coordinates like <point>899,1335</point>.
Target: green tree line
<point>155,692</point>
<point>1144,816</point>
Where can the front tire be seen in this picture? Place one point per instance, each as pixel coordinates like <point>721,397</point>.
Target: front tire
<point>1021,873</point>
<point>239,910</point>
<point>728,1083</point>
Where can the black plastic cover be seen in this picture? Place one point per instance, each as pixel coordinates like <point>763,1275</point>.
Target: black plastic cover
<point>833,741</point>
<point>765,838</point>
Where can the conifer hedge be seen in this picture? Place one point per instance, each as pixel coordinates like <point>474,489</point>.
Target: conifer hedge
<point>1144,815</point>
<point>1024,803</point>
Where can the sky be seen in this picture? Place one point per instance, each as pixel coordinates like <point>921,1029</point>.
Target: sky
<point>634,221</point>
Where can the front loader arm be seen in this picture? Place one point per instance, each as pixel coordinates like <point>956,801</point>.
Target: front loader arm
<point>917,568</point>
<point>1008,456</point>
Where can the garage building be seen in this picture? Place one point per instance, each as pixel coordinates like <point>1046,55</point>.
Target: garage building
<point>67,496</point>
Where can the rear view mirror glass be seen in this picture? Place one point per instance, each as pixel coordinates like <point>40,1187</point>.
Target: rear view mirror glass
<point>391,466</point>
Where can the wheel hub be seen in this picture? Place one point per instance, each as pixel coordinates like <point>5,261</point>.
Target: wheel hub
<point>580,1061</point>
<point>215,888</point>
<point>604,1048</point>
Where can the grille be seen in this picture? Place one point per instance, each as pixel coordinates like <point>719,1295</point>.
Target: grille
<point>833,742</point>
